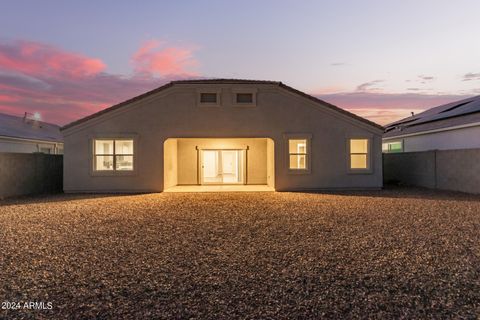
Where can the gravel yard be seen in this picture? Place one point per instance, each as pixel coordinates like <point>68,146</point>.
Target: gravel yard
<point>394,253</point>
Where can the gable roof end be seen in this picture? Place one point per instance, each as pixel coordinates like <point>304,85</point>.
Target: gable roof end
<point>222,81</point>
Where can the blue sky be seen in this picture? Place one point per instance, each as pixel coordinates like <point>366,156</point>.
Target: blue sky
<point>417,53</point>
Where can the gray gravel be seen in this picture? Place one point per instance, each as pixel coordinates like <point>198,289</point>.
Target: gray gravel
<point>396,253</point>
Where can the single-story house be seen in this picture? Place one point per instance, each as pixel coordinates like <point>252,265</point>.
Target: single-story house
<point>451,126</point>
<point>222,131</point>
<point>28,135</point>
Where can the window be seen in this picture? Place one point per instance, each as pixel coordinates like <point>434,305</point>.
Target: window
<point>244,98</point>
<point>123,155</point>
<point>396,146</point>
<point>46,150</point>
<point>298,153</point>
<point>113,155</point>
<point>359,154</point>
<point>208,97</point>
<point>384,147</point>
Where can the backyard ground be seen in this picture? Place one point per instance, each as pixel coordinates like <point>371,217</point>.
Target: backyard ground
<point>394,253</point>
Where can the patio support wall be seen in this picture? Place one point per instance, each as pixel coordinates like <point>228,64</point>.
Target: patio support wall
<point>170,163</point>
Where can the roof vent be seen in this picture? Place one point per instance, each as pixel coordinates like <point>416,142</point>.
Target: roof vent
<point>32,118</point>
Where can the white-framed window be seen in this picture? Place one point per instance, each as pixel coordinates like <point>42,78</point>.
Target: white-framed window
<point>45,149</point>
<point>359,154</point>
<point>384,147</point>
<point>113,155</point>
<point>394,146</point>
<point>298,152</point>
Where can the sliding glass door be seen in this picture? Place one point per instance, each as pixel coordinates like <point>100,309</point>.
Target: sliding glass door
<point>222,166</point>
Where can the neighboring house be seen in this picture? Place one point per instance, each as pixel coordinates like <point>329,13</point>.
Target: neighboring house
<point>27,135</point>
<point>199,132</point>
<point>451,126</point>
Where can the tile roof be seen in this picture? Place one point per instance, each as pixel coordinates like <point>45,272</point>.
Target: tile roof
<point>18,127</point>
<point>222,81</point>
<point>448,115</point>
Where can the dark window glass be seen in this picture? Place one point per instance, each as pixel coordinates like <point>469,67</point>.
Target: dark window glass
<point>244,98</point>
<point>208,97</point>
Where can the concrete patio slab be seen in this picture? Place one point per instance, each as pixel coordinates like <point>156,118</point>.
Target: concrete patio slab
<point>221,188</point>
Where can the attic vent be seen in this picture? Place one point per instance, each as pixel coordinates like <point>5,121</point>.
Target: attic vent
<point>244,98</point>
<point>208,97</point>
<point>455,107</point>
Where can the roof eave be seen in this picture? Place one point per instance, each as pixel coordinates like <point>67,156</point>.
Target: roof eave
<point>333,107</point>
<point>116,106</point>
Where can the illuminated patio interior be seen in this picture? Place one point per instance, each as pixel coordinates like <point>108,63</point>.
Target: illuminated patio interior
<point>227,164</point>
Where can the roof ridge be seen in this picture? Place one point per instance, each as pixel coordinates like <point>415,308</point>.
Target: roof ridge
<point>225,80</point>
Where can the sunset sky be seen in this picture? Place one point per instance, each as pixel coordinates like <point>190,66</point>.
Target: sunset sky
<point>378,59</point>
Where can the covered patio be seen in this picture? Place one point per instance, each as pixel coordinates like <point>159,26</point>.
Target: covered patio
<point>218,164</point>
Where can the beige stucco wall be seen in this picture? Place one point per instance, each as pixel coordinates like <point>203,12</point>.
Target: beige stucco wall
<point>270,163</point>
<point>170,157</point>
<point>174,113</point>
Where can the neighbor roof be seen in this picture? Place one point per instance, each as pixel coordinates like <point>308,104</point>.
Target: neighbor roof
<point>448,115</point>
<point>18,127</point>
<point>221,81</point>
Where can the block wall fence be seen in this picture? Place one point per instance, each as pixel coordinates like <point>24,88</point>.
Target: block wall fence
<point>30,173</point>
<point>457,170</point>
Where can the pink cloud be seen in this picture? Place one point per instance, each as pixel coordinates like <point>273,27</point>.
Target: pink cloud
<point>65,86</point>
<point>7,98</point>
<point>9,109</point>
<point>33,58</point>
<point>153,59</point>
